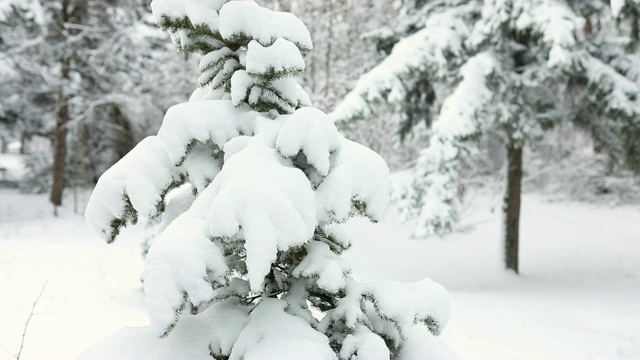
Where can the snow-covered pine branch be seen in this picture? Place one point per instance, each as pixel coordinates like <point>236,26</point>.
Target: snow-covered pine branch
<point>429,53</point>
<point>432,197</point>
<point>253,188</point>
<point>612,91</point>
<point>618,7</point>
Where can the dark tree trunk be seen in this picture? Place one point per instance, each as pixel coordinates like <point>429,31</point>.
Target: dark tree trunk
<point>588,25</point>
<point>23,142</point>
<point>635,29</point>
<point>60,138</point>
<point>512,206</point>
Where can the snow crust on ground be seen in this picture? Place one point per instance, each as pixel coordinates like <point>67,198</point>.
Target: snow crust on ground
<point>91,289</point>
<point>577,297</point>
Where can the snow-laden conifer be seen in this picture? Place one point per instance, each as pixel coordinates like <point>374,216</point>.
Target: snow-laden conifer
<point>252,187</point>
<point>506,62</point>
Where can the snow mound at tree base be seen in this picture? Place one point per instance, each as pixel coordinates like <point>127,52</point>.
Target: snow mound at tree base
<point>186,342</point>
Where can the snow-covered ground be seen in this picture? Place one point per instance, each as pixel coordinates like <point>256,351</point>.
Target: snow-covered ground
<point>578,296</point>
<point>91,289</point>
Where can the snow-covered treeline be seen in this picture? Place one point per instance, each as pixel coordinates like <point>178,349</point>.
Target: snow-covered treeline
<point>82,82</point>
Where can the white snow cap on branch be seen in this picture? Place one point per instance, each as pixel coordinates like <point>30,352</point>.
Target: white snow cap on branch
<point>363,343</point>
<point>198,11</point>
<point>389,311</point>
<point>311,131</point>
<point>246,18</point>
<point>138,179</point>
<point>215,121</point>
<point>458,117</point>
<point>358,174</point>
<point>273,334</point>
<point>282,56</point>
<point>326,265</point>
<point>616,7</point>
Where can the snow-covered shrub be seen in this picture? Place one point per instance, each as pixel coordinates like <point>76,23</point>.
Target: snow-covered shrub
<point>253,234</point>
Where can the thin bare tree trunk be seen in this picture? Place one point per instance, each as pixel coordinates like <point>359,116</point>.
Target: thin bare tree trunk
<point>511,206</point>
<point>23,142</point>
<point>60,137</point>
<point>329,41</point>
<point>312,73</point>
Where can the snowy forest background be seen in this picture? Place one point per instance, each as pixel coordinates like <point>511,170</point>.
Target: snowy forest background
<point>82,82</point>
<point>121,76</point>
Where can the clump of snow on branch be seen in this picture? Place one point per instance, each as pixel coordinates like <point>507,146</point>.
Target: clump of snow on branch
<point>278,58</point>
<point>324,264</point>
<point>616,7</point>
<point>246,18</point>
<point>270,332</point>
<point>357,184</point>
<point>197,11</point>
<point>210,121</point>
<point>389,311</point>
<point>133,185</point>
<point>249,52</point>
<point>311,132</point>
<point>364,343</point>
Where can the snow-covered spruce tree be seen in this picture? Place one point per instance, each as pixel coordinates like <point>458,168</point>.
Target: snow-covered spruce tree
<point>260,186</point>
<point>508,62</point>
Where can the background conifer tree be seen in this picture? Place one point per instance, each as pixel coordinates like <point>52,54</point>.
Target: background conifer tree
<point>507,63</point>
